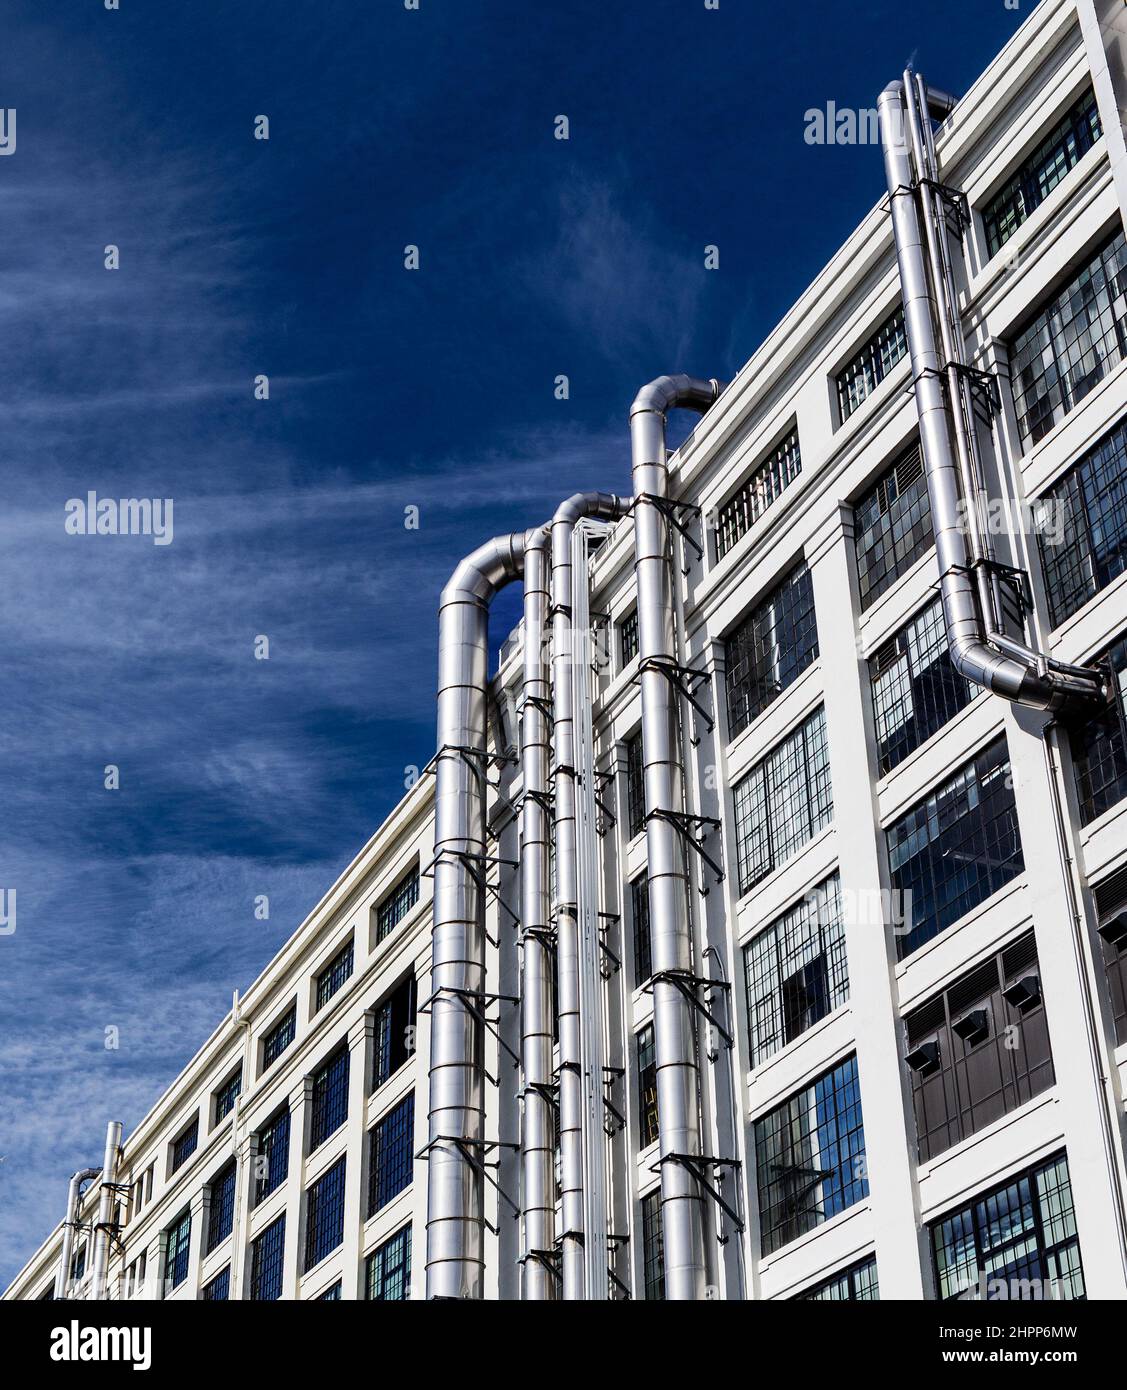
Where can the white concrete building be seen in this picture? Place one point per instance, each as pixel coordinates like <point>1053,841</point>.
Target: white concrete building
<point>910,917</point>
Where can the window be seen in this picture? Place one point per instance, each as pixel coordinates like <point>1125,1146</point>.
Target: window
<point>338,970</point>
<point>221,1208</point>
<point>218,1290</point>
<point>796,971</point>
<point>1018,1241</point>
<point>324,1215</point>
<point>273,1158</point>
<point>647,1087</point>
<point>783,802</point>
<point>862,374</point>
<point>267,1254</point>
<point>1111,902</point>
<point>177,1240</point>
<point>915,687</point>
<point>329,1099</point>
<point>387,1271</point>
<point>1074,342</point>
<point>978,1056</point>
<point>770,649</point>
<point>184,1145</point>
<point>640,914</point>
<point>398,903</point>
<point>279,1037</point>
<point>628,638</point>
<point>391,1151</point>
<point>1099,748</point>
<point>78,1264</point>
<point>653,1246</point>
<point>135,1276</point>
<point>227,1094</point>
<point>635,786</point>
<point>810,1157</point>
<point>1060,151</point>
<point>332,1294</point>
<point>857,1284</point>
<point>736,517</point>
<point>892,525</point>
<point>1086,548</point>
<point>394,1031</point>
<point>954,849</point>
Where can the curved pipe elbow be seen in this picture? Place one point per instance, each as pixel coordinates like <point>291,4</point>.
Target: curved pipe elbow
<point>667,392</point>
<point>603,506</point>
<point>485,570</point>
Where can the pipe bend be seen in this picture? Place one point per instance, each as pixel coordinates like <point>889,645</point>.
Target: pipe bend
<point>486,569</point>
<point>678,389</point>
<point>601,505</point>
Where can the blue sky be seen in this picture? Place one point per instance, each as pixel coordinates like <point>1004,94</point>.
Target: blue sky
<point>388,389</point>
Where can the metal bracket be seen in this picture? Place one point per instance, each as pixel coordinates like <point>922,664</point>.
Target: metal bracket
<point>696,1165</point>
<point>475,1005</point>
<point>685,680</point>
<point>986,395</point>
<point>1015,580</point>
<point>955,205</point>
<point>611,1075</point>
<point>479,1163</point>
<point>669,507</point>
<point>688,984</point>
<point>692,830</point>
<point>478,866</point>
<point>606,818</point>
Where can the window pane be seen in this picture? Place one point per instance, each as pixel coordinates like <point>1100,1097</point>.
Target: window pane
<point>279,1037</point>
<point>267,1256</point>
<point>272,1160</point>
<point>739,513</point>
<point>770,649</point>
<point>863,373</point>
<point>391,1155</point>
<point>334,975</point>
<point>324,1215</point>
<point>892,525</point>
<point>653,1246</point>
<point>397,904</point>
<point>388,1270</point>
<point>329,1100</point>
<point>221,1208</point>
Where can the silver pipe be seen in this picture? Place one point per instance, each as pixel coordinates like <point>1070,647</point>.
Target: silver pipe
<point>1033,681</point>
<point>605,506</point>
<point>538,1148</point>
<point>106,1197</point>
<point>455,1190</point>
<point>675,1042</point>
<point>74,1196</point>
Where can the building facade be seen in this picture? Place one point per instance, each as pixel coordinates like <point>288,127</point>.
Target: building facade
<point>907,896</point>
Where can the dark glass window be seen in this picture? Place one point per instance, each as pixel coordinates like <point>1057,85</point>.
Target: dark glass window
<point>862,374</point>
<point>954,849</point>
<point>915,687</point>
<point>391,1152</point>
<point>387,1271</point>
<point>1025,190</point>
<point>218,1290</point>
<point>647,1087</point>
<point>783,802</point>
<point>857,1284</point>
<point>892,525</point>
<point>397,904</point>
<point>770,649</point>
<point>1099,748</point>
<point>338,970</point>
<point>221,1208</point>
<point>329,1099</point>
<point>394,1032</point>
<point>796,971</point>
<point>1082,526</point>
<point>628,638</point>
<point>1075,340</point>
<point>273,1159</point>
<point>178,1239</point>
<point>635,786</point>
<point>185,1143</point>
<point>279,1037</point>
<point>227,1094</point>
<point>78,1264</point>
<point>810,1157</point>
<point>332,1294</point>
<point>986,1056</point>
<point>267,1255</point>
<point>324,1215</point>
<point>736,517</point>
<point>1019,1239</point>
<point>1111,901</point>
<point>653,1246</point>
<point>640,913</point>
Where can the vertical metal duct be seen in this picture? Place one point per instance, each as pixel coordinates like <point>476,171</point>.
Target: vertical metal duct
<point>74,1196</point>
<point>455,1195</point>
<point>105,1211</point>
<point>538,1147</point>
<point>675,1044</point>
<point>979,647</point>
<point>567,648</point>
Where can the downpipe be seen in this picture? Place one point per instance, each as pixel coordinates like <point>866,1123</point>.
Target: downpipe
<point>74,1197</point>
<point>98,1290</point>
<point>675,1038</point>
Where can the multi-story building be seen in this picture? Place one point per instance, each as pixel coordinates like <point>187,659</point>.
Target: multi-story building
<point>906,1010</point>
